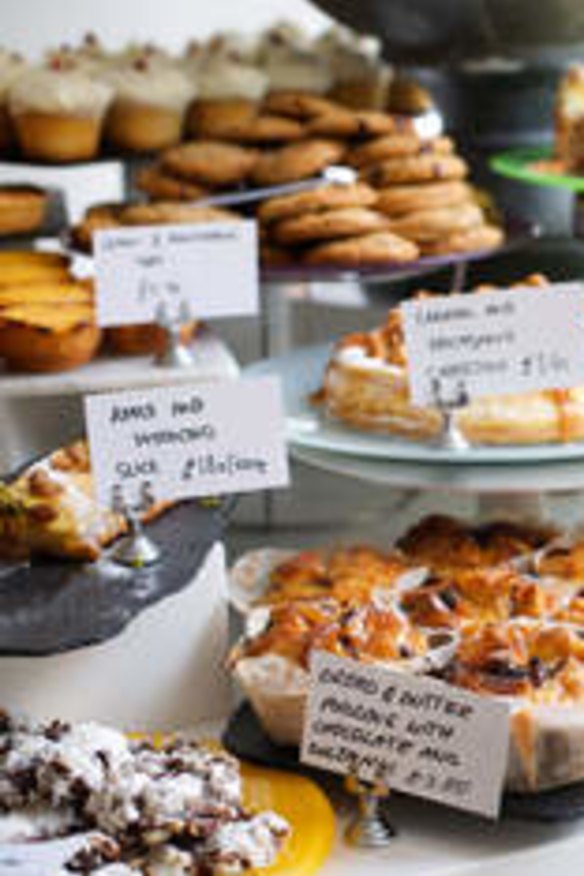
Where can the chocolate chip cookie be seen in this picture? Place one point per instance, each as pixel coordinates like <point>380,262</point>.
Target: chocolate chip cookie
<point>382,247</point>
<point>210,163</point>
<point>295,162</point>
<point>329,225</point>
<point>325,197</point>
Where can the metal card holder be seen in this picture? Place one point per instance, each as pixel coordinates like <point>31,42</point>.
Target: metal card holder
<point>451,436</point>
<point>370,827</point>
<point>135,549</point>
<point>176,353</point>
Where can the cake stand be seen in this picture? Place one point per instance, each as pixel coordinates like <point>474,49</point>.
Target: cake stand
<point>537,166</point>
<point>101,641</point>
<point>126,647</point>
<point>338,285</point>
<point>41,412</point>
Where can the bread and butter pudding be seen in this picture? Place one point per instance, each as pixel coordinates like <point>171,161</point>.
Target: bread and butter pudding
<point>463,604</point>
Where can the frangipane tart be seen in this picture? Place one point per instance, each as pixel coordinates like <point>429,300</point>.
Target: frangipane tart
<point>22,209</point>
<point>45,337</point>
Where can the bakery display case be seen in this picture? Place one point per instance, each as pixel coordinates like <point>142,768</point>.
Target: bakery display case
<point>157,654</point>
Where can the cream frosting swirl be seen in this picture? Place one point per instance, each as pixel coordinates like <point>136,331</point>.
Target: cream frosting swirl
<point>12,66</point>
<point>224,79</point>
<point>70,91</point>
<point>152,84</point>
<point>232,45</point>
<point>350,57</point>
<point>297,70</point>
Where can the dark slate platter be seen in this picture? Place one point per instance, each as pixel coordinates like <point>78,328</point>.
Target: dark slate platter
<point>245,738</point>
<point>52,607</point>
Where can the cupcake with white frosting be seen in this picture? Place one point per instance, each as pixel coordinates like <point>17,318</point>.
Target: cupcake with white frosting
<point>283,34</point>
<point>58,112</point>
<point>12,65</point>
<point>229,92</point>
<point>292,69</point>
<point>149,105</point>
<point>231,44</point>
<point>288,57</point>
<point>360,77</point>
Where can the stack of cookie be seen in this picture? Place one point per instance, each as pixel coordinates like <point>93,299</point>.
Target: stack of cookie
<point>412,187</point>
<point>422,189</point>
<point>330,225</point>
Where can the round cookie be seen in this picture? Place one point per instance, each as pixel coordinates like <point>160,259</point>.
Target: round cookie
<point>326,197</point>
<point>416,168</point>
<point>297,105</point>
<point>97,218</point>
<point>168,212</point>
<point>260,130</point>
<point>382,247</point>
<point>428,225</point>
<point>162,186</point>
<point>295,162</point>
<point>473,240</point>
<point>328,225</point>
<point>350,124</point>
<point>398,200</point>
<point>210,163</point>
<point>396,146</point>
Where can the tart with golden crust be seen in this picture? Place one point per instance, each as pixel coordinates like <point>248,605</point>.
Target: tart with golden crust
<point>22,209</point>
<point>366,387</point>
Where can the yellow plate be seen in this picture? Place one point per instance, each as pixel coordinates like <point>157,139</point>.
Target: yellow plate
<point>305,808</point>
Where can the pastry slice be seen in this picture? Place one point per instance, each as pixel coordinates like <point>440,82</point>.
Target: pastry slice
<point>50,510</point>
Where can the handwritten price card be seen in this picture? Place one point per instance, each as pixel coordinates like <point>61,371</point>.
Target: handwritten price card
<point>415,734</point>
<point>493,343</point>
<point>190,441</point>
<point>206,271</point>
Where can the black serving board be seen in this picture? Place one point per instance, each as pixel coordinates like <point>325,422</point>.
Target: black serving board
<point>245,738</point>
<point>51,607</point>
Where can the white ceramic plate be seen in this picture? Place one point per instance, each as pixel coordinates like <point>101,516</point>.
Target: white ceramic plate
<point>301,373</point>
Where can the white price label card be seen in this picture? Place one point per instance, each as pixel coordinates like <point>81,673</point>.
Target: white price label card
<point>416,734</point>
<point>493,343</point>
<point>176,443</point>
<point>207,270</point>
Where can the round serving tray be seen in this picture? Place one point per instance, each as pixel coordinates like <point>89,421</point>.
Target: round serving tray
<point>245,738</point>
<point>49,607</point>
<point>517,234</point>
<point>536,166</point>
<point>492,482</point>
<point>301,373</point>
